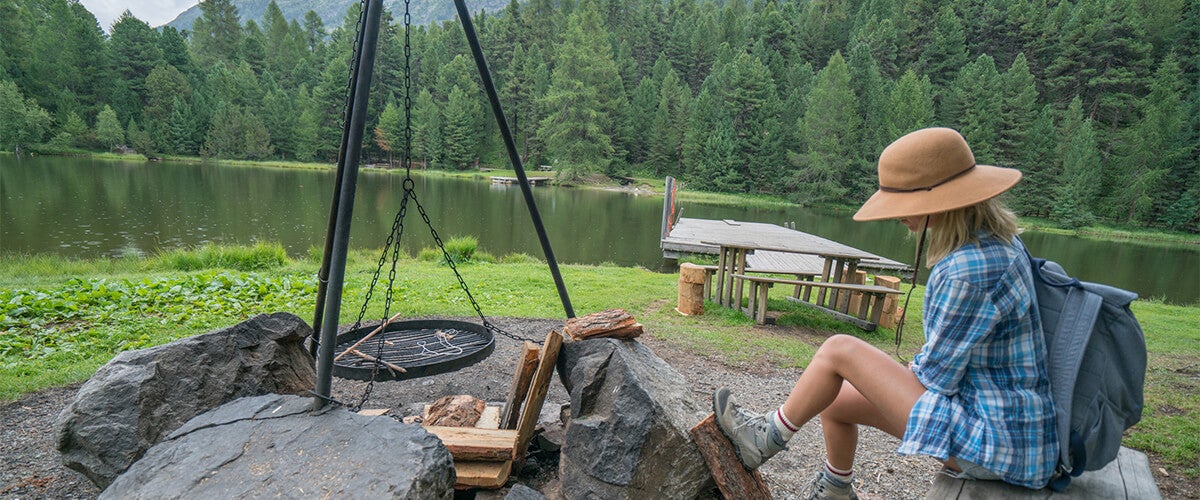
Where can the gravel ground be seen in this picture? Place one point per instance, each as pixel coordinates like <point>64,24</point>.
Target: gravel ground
<point>30,466</point>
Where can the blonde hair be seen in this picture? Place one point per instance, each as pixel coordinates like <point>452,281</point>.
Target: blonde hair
<point>959,227</point>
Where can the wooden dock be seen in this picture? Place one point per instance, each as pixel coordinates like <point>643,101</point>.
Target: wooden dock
<point>686,236</point>
<point>533,181</point>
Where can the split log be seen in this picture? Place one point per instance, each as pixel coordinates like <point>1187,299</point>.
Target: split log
<point>731,477</point>
<point>537,393</point>
<point>526,365</point>
<point>455,411</point>
<point>615,323</point>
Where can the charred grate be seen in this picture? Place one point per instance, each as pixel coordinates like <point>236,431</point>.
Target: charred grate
<point>420,347</point>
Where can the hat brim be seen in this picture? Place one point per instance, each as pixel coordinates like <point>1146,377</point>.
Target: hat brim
<point>981,183</point>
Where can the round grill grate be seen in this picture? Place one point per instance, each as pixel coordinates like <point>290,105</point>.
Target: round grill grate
<point>420,347</point>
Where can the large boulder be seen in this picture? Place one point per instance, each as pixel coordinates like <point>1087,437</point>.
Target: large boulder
<point>628,432</point>
<point>140,396</point>
<point>273,447</point>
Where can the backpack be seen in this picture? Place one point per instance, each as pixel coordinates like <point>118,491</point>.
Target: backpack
<point>1096,355</point>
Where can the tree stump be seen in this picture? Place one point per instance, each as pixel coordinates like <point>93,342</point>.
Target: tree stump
<point>691,289</point>
<point>889,317</point>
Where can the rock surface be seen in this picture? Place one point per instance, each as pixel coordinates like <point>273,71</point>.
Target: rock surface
<point>272,447</point>
<point>628,432</point>
<point>140,396</point>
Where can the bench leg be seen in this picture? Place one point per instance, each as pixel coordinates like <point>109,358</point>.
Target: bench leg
<point>708,279</point>
<point>761,315</point>
<point>877,308</point>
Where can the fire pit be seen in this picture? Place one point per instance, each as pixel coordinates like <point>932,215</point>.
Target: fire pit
<point>411,349</point>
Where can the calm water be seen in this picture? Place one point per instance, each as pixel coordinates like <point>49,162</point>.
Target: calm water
<point>89,208</point>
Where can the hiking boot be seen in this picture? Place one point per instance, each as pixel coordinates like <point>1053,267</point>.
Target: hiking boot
<point>825,488</point>
<point>754,438</point>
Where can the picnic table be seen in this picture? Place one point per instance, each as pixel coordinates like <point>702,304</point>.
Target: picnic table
<point>833,292</point>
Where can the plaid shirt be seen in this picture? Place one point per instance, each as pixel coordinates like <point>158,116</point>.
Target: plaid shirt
<point>987,398</point>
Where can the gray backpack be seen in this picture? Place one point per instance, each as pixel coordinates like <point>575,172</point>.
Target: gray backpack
<point>1097,362</point>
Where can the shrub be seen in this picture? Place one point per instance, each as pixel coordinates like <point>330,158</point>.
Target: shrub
<point>257,257</point>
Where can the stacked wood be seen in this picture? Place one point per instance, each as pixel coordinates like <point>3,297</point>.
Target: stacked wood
<point>733,480</point>
<point>615,323</point>
<point>455,411</point>
<point>691,289</point>
<point>890,307</point>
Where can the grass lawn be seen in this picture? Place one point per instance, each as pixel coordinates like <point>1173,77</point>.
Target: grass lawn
<point>64,318</point>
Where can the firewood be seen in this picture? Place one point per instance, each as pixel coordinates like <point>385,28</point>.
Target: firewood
<point>611,323</point>
<point>527,363</point>
<point>455,411</point>
<point>731,477</point>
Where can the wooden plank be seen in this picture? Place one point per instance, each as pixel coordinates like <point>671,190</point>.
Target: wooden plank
<point>733,480</point>
<point>721,277</point>
<point>761,315</point>
<point>863,324</point>
<point>1128,476</point>
<point>818,284</point>
<point>537,393</point>
<point>741,269</point>
<point>471,443</point>
<point>527,363</point>
<point>486,475</point>
<point>373,412</point>
<point>824,279</point>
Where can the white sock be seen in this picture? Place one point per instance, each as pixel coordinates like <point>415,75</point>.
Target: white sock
<point>845,476</point>
<point>786,428</point>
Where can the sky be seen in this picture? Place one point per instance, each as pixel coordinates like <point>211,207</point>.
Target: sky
<point>154,12</point>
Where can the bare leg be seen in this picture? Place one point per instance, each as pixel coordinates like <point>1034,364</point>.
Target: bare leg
<point>851,382</point>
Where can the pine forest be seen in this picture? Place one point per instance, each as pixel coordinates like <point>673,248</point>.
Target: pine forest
<point>1096,101</point>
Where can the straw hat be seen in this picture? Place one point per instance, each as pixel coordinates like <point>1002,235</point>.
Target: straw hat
<point>931,171</point>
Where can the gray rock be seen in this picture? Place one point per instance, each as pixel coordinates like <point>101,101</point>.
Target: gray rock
<point>522,492</point>
<point>272,447</point>
<point>140,396</point>
<point>628,432</point>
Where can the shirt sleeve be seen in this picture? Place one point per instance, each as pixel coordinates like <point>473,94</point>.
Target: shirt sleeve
<point>957,319</point>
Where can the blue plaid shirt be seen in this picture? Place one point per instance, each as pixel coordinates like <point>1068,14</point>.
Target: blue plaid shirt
<point>987,398</point>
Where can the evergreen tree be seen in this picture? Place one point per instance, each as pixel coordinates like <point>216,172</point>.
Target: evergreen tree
<point>973,105</point>
<point>1018,110</point>
<point>428,147</point>
<point>163,86</point>
<point>1079,186</point>
<point>873,95</point>
<point>668,126</point>
<point>583,99</point>
<point>1152,157</point>
<point>306,134</point>
<point>459,128</point>
<point>910,106</point>
<point>181,130</point>
<point>946,53</point>
<point>75,129</point>
<point>175,50</point>
<point>279,116</point>
<point>828,132</point>
<point>135,53</point>
<point>217,33</point>
<point>1039,166</point>
<point>140,140</point>
<point>389,133</point>
<point>108,129</point>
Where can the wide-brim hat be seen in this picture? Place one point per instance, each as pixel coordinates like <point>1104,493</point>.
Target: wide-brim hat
<point>930,171</point>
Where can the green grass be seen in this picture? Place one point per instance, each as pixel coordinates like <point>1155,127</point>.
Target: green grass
<point>62,318</point>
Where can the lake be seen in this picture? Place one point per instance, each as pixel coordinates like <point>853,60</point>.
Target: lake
<point>83,207</point>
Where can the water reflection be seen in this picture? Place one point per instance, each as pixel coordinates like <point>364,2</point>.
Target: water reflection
<point>88,208</point>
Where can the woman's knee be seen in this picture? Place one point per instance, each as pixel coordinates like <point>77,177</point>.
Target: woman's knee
<point>842,347</point>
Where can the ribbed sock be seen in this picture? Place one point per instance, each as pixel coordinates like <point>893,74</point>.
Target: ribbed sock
<point>838,476</point>
<point>785,427</point>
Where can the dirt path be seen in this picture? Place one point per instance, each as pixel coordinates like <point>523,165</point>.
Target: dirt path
<point>30,466</point>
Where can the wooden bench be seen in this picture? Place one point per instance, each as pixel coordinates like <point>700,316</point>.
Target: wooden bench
<point>711,270</point>
<point>866,316</point>
<point>1128,476</point>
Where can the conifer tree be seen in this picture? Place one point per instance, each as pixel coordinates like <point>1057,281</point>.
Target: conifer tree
<point>1152,157</point>
<point>135,53</point>
<point>947,52</point>
<point>459,129</point>
<point>428,146</point>
<point>181,130</point>
<point>108,129</point>
<point>1040,167</point>
<point>1079,184</point>
<point>24,123</point>
<point>973,105</point>
<point>1018,110</point>
<point>828,132</point>
<point>910,106</point>
<point>217,33</point>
